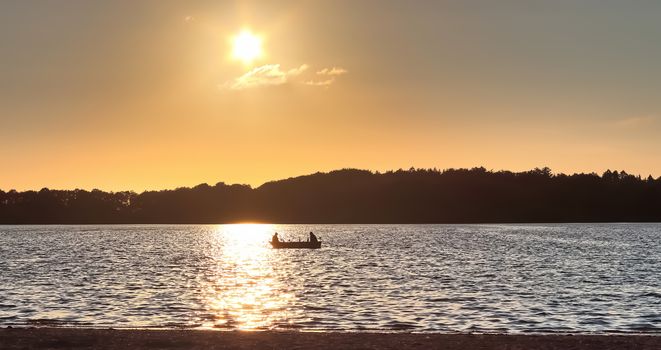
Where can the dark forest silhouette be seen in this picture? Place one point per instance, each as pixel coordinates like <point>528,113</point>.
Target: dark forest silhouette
<point>359,196</point>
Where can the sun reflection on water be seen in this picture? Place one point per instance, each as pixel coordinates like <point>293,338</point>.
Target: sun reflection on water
<point>244,292</point>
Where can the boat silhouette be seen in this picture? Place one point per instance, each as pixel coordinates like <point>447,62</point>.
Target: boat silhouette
<point>296,245</point>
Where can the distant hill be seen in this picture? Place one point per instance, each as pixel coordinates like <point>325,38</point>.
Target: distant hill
<point>359,196</point>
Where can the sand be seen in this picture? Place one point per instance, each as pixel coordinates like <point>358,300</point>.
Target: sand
<point>68,338</point>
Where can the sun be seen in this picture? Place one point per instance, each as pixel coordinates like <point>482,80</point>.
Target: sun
<point>246,47</point>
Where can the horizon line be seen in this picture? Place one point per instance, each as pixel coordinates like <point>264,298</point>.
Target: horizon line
<point>374,172</point>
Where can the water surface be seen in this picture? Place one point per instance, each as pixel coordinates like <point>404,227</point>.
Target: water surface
<point>423,278</point>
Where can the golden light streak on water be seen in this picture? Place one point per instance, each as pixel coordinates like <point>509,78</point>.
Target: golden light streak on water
<point>246,294</point>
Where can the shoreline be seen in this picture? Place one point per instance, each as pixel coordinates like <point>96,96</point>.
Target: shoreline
<point>94,338</point>
<point>322,223</point>
<point>656,333</point>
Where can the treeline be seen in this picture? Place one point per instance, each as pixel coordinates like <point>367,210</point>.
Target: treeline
<point>359,196</point>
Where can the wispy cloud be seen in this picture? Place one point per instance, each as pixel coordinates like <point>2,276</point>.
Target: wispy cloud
<point>266,75</point>
<point>320,82</point>
<point>273,75</point>
<point>329,74</point>
<point>634,122</point>
<point>332,71</point>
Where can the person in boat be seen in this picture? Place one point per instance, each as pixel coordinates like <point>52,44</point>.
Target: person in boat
<point>275,239</point>
<point>313,238</point>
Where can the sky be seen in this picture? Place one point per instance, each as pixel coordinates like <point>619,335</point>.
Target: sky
<point>136,95</point>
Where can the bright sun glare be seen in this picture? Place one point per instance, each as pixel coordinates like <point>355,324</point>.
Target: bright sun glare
<point>246,47</point>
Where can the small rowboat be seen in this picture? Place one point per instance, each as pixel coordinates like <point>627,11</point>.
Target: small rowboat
<point>296,245</point>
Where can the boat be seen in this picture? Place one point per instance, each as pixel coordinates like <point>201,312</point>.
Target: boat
<point>296,245</point>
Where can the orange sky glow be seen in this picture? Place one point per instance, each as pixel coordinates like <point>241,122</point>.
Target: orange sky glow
<point>157,94</point>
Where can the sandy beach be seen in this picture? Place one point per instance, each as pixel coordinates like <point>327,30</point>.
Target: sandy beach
<point>66,338</point>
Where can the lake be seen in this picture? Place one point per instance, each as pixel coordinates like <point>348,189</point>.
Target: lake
<point>422,278</point>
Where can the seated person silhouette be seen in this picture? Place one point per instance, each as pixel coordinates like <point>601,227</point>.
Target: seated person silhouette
<point>275,238</point>
<point>313,238</point>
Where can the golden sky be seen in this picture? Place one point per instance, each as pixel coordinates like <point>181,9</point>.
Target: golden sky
<point>150,94</point>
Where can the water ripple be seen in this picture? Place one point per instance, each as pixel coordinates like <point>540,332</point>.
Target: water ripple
<point>423,278</point>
